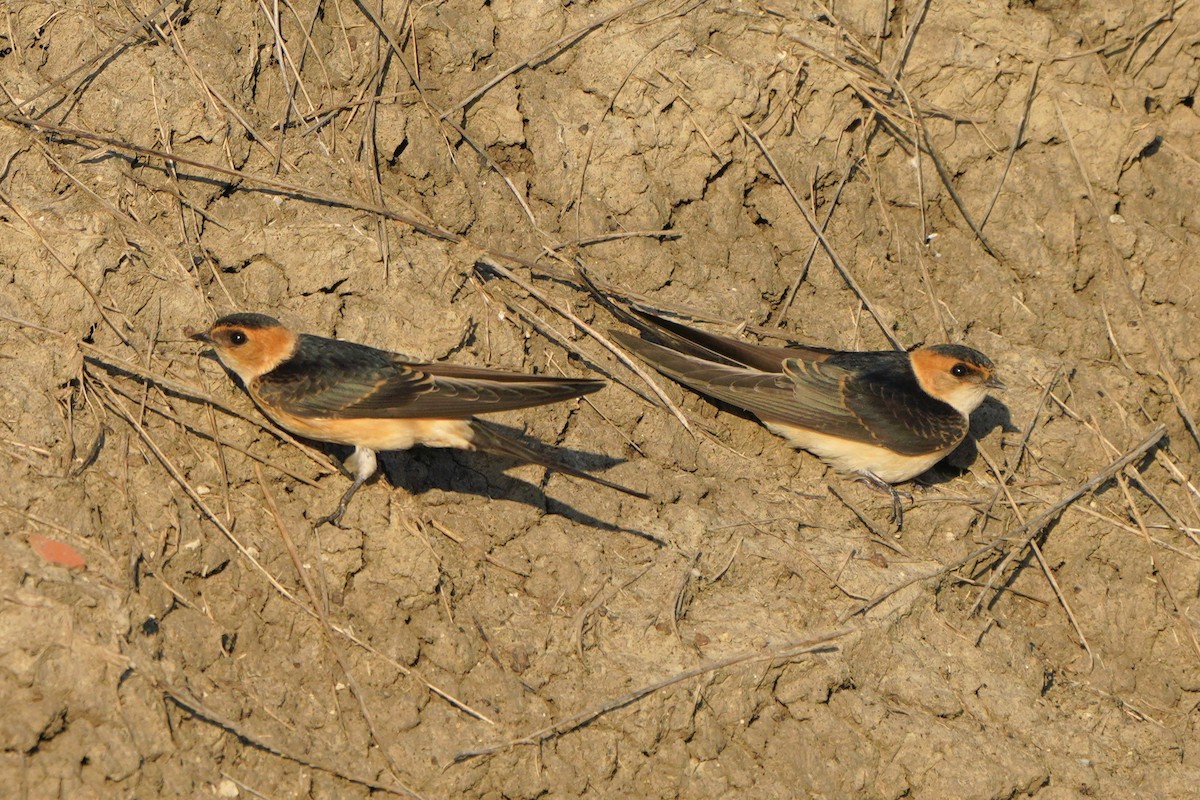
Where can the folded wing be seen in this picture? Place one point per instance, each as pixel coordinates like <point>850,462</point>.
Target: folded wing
<point>820,396</point>
<point>712,346</point>
<point>330,378</point>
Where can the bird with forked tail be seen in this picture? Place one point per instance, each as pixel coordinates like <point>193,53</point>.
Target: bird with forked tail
<point>886,416</point>
<point>374,400</point>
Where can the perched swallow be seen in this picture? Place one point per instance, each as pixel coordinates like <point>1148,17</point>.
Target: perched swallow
<point>347,393</point>
<point>886,416</point>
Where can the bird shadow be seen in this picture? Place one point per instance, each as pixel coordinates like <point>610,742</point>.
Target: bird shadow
<point>481,473</point>
<point>471,472</point>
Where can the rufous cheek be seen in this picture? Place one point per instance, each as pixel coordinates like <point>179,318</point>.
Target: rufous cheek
<point>265,349</point>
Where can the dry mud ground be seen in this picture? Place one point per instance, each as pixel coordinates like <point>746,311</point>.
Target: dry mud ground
<point>1021,177</point>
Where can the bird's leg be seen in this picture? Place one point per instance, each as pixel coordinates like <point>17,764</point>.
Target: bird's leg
<point>878,484</point>
<point>362,463</point>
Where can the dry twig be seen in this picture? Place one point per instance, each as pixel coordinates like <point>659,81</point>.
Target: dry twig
<point>1024,533</point>
<point>788,650</point>
<point>318,605</point>
<point>820,234</point>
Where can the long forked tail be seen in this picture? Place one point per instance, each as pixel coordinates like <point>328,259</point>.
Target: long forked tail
<point>486,438</point>
<point>701,344</point>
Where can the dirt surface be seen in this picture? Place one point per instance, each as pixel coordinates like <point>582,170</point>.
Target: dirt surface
<point>480,628</point>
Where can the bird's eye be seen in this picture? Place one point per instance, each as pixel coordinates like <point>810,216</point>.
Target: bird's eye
<point>960,370</point>
<point>237,337</point>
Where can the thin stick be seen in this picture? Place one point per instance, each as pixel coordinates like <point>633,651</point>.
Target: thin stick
<point>1178,523</point>
<point>475,550</point>
<point>878,535</point>
<point>948,182</point>
<point>616,236</point>
<point>1028,530</point>
<point>1002,480</point>
<point>1134,531</point>
<point>1022,447</point>
<point>576,721</point>
<point>679,606</point>
<point>32,325</point>
<point>1192,492</point>
<point>296,190</point>
<point>319,606</point>
<point>1112,48</point>
<point>202,712</point>
<point>1016,143</point>
<point>598,601</point>
<point>812,249</point>
<point>910,36</point>
<point>4,198</point>
<point>620,355</point>
<point>934,301</point>
<point>816,229</point>
<point>545,53</point>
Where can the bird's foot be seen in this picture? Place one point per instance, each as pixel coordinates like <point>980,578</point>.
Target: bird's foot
<point>332,519</point>
<point>336,516</point>
<point>880,485</point>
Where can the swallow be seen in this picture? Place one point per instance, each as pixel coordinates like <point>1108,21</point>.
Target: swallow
<point>336,391</point>
<point>885,416</point>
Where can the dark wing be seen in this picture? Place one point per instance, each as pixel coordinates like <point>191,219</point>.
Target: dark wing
<point>881,404</point>
<point>330,378</point>
<point>714,347</point>
<point>701,344</point>
<point>884,407</point>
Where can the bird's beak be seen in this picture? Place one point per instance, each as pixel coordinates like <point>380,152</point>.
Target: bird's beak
<point>199,336</point>
<point>995,383</point>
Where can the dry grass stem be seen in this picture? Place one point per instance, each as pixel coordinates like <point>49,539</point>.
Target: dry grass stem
<point>318,605</point>
<point>817,231</point>
<point>780,652</point>
<point>1025,532</point>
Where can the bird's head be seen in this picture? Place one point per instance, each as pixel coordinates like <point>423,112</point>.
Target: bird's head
<point>249,344</point>
<point>955,374</point>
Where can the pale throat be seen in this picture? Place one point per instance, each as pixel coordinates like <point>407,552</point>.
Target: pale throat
<point>965,398</point>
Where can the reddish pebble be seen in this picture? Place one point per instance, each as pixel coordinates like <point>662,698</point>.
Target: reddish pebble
<point>57,552</point>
